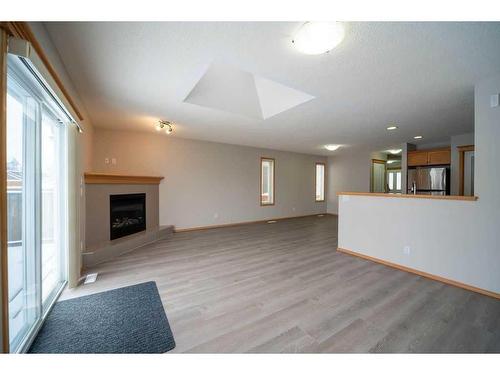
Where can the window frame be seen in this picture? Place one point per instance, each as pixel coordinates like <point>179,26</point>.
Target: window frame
<point>262,159</point>
<point>316,181</point>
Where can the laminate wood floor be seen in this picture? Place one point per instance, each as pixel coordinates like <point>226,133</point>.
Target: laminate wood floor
<point>282,287</point>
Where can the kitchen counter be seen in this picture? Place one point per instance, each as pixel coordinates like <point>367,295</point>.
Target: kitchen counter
<point>413,196</point>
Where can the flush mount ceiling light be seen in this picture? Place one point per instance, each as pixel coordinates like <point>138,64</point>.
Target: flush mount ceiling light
<point>395,152</point>
<point>391,161</point>
<point>332,147</point>
<point>393,127</point>
<point>164,125</point>
<point>418,137</point>
<point>314,38</point>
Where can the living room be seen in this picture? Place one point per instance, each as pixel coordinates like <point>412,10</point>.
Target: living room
<point>191,186</point>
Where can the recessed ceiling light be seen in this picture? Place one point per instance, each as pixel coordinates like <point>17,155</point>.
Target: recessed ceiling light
<point>396,151</point>
<point>418,137</point>
<point>392,127</point>
<point>314,38</point>
<point>391,161</point>
<point>332,147</point>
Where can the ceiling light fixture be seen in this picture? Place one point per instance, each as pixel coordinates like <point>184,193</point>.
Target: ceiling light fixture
<point>418,137</point>
<point>391,161</point>
<point>396,151</point>
<point>392,127</point>
<point>314,38</point>
<point>164,125</point>
<point>332,147</point>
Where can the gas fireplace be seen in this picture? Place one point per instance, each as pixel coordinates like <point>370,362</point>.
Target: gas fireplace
<point>127,214</point>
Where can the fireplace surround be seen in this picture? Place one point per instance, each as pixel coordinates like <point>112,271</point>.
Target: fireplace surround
<point>99,188</point>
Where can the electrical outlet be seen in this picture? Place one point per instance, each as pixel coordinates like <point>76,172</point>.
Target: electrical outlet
<point>216,215</point>
<point>406,250</point>
<point>106,160</point>
<point>293,209</point>
<point>113,161</point>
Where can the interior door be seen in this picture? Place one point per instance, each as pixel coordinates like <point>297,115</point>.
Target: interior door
<point>378,176</point>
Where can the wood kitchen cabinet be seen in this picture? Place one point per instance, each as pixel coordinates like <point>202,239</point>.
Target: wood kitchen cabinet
<point>416,158</point>
<point>429,157</point>
<point>439,157</point>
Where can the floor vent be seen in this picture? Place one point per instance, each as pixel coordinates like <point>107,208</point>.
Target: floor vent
<point>90,278</point>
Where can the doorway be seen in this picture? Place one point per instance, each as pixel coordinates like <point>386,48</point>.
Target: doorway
<point>378,174</point>
<point>466,170</point>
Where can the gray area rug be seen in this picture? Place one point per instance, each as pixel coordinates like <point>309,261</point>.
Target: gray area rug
<point>125,320</point>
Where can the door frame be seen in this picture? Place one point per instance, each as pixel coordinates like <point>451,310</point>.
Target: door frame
<point>4,303</point>
<point>378,161</point>
<point>461,152</point>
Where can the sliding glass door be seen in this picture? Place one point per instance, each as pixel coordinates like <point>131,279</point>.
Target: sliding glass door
<point>53,205</point>
<point>24,284</point>
<point>36,222</point>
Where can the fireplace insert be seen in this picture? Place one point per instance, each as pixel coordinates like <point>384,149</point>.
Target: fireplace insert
<point>127,214</point>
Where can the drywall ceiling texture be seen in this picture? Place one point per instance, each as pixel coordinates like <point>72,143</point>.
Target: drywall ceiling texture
<point>208,183</point>
<point>419,76</point>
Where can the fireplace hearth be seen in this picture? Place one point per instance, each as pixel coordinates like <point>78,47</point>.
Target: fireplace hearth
<point>127,214</point>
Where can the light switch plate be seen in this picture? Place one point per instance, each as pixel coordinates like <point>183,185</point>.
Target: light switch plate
<point>495,100</point>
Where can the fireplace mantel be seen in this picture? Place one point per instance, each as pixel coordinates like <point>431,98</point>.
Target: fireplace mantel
<point>108,178</point>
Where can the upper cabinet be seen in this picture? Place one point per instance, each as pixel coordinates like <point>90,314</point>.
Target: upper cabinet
<point>439,157</point>
<point>429,157</point>
<point>417,158</point>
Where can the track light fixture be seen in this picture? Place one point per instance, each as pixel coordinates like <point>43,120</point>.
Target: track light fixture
<point>164,125</point>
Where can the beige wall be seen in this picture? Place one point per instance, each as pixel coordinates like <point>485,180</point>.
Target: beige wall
<point>350,172</point>
<point>209,183</point>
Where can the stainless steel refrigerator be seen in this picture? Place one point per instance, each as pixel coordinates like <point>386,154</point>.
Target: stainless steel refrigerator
<point>429,180</point>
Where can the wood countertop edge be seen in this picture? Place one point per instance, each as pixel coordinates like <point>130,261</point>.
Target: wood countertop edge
<point>412,196</point>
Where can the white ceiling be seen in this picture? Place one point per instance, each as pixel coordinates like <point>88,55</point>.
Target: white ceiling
<point>419,76</point>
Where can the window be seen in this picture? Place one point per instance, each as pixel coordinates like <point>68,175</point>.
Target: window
<point>36,201</point>
<point>320,182</point>
<point>394,181</point>
<point>266,182</point>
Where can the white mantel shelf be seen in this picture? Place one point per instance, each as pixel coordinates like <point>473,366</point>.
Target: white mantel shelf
<point>108,178</point>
